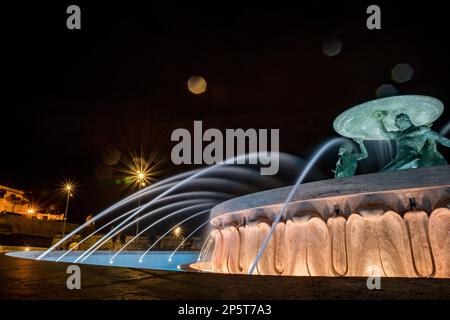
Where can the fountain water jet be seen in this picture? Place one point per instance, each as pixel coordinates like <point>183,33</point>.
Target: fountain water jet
<point>233,160</point>
<point>186,177</point>
<point>120,227</point>
<point>300,179</point>
<point>93,233</point>
<point>173,197</point>
<point>445,129</point>
<point>205,247</point>
<point>187,237</point>
<point>162,219</point>
<point>113,207</point>
<point>170,230</point>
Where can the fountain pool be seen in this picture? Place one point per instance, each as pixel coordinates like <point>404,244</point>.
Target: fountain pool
<point>155,260</point>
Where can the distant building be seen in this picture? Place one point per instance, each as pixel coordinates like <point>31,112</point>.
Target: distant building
<point>14,201</point>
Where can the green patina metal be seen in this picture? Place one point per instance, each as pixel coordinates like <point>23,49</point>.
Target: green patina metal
<point>348,161</point>
<point>405,119</point>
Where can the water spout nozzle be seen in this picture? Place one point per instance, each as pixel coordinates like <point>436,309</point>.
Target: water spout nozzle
<point>336,210</point>
<point>412,204</point>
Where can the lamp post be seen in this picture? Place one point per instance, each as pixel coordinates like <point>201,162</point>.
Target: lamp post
<point>178,234</point>
<point>140,178</point>
<point>68,190</point>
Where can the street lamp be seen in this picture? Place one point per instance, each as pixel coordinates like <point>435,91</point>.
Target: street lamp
<point>177,232</point>
<point>141,178</point>
<point>68,189</point>
<point>140,173</point>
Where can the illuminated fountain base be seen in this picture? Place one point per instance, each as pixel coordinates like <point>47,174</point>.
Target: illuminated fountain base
<point>394,224</point>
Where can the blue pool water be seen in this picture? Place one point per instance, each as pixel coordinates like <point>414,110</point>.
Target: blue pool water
<point>156,260</point>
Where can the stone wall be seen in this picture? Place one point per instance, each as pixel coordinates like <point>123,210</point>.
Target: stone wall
<point>10,224</point>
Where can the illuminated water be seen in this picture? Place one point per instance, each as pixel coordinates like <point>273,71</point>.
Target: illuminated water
<point>294,189</point>
<point>166,187</point>
<point>155,260</point>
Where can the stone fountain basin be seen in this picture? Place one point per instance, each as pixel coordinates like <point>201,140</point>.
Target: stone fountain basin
<point>430,187</point>
<point>394,224</point>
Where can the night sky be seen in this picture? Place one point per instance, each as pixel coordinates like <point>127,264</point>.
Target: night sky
<point>69,96</point>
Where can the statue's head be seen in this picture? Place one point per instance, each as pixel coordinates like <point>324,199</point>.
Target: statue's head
<point>345,149</point>
<point>402,121</point>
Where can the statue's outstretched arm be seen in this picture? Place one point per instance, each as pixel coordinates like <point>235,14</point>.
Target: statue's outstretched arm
<point>380,115</point>
<point>384,132</point>
<point>363,154</point>
<point>444,141</point>
<point>433,135</point>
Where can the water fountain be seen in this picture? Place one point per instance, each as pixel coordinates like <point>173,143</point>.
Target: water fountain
<point>171,198</point>
<point>396,221</point>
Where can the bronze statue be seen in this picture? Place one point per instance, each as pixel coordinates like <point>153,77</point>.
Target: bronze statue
<point>348,161</point>
<point>416,145</point>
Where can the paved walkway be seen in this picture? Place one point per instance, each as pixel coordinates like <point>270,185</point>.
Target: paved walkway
<point>29,279</point>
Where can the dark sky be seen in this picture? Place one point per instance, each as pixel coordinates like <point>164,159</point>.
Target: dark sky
<point>120,81</point>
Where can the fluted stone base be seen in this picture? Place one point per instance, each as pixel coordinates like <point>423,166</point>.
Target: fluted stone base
<point>366,238</point>
<point>416,245</point>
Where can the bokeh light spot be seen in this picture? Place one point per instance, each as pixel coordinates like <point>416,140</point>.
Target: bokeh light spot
<point>196,85</point>
<point>386,90</point>
<point>332,47</point>
<point>111,156</point>
<point>402,72</point>
<point>127,180</point>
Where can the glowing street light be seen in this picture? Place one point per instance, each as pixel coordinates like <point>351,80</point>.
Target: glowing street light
<point>33,208</point>
<point>140,170</point>
<point>68,188</point>
<point>178,232</point>
<point>141,177</point>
